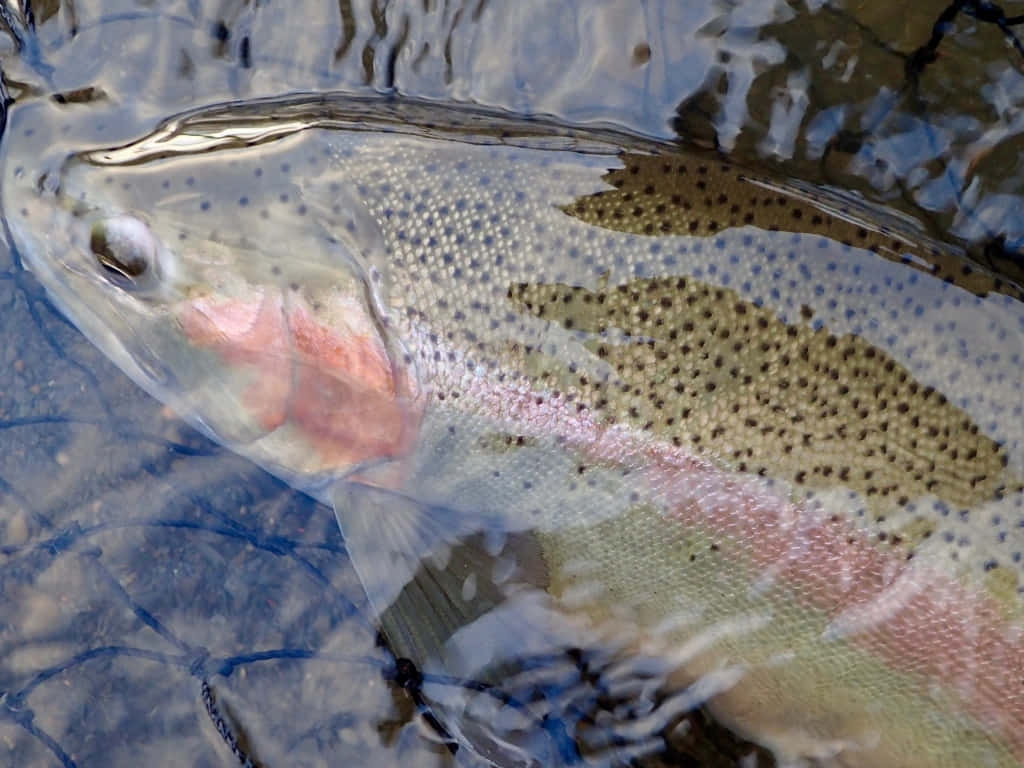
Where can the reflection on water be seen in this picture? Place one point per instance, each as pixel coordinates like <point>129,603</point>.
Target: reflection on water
<point>139,560</point>
<point>920,109</point>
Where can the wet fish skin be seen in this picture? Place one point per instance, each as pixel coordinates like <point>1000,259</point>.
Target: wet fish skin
<point>649,192</point>
<point>797,473</point>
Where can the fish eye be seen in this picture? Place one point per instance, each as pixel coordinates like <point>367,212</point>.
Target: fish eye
<point>125,248</point>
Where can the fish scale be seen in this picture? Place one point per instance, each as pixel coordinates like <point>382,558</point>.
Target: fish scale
<point>756,443</point>
<point>898,432</point>
<point>815,390</point>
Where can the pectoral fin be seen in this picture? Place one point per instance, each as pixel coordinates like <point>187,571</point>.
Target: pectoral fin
<point>431,572</point>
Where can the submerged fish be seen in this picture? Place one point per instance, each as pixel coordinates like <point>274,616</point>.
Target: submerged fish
<point>545,375</point>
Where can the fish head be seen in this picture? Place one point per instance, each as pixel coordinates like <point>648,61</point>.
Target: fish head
<point>265,336</point>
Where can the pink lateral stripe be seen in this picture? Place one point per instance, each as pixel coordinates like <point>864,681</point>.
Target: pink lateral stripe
<point>916,618</point>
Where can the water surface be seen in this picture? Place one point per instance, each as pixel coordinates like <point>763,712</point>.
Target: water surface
<point>141,560</point>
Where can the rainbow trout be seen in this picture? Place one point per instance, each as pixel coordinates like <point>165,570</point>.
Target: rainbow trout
<point>566,387</point>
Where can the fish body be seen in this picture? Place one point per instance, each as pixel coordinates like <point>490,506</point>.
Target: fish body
<point>746,430</point>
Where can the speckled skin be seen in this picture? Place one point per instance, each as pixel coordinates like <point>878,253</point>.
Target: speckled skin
<point>772,453</point>
<point>649,191</point>
<point>777,354</point>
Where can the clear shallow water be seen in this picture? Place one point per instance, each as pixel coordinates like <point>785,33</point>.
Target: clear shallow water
<point>141,558</point>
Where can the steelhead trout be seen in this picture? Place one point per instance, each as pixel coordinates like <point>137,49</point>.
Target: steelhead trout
<point>565,388</point>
